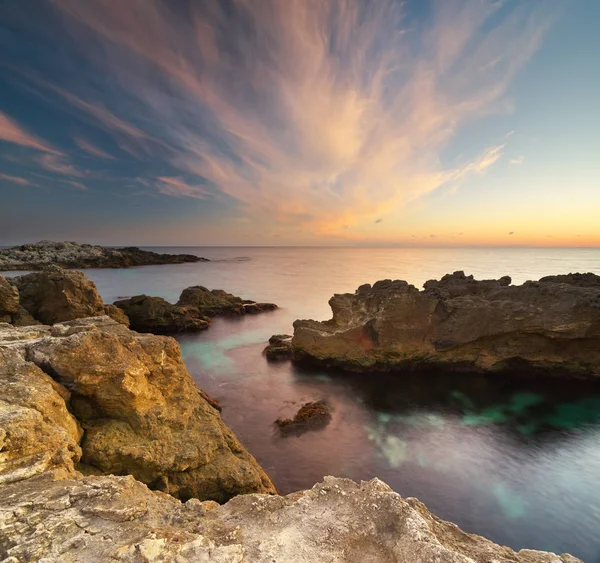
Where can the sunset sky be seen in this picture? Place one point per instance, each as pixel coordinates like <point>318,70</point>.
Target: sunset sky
<point>300,122</point>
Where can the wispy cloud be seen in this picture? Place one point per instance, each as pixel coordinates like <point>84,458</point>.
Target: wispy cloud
<point>59,164</point>
<point>16,180</point>
<point>92,149</point>
<point>12,132</point>
<point>517,160</point>
<point>315,113</point>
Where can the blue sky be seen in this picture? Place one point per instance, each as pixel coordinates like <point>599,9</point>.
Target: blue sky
<point>316,122</point>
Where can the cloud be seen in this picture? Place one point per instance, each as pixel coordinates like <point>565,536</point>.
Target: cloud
<point>59,164</point>
<point>16,180</point>
<point>517,160</point>
<point>92,149</point>
<point>319,113</point>
<point>12,132</point>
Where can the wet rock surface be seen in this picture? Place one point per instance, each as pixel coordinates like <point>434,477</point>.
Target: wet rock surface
<point>74,255</point>
<point>216,302</point>
<point>98,519</point>
<point>552,325</point>
<point>279,348</point>
<point>140,410</point>
<point>311,416</point>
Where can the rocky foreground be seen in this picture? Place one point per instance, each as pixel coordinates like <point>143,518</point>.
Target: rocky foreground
<point>460,323</point>
<point>73,255</point>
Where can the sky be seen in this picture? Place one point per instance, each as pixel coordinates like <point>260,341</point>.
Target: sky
<point>300,122</point>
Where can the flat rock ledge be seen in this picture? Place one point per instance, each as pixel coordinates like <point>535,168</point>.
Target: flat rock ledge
<point>458,323</point>
<point>73,255</point>
<point>99,519</point>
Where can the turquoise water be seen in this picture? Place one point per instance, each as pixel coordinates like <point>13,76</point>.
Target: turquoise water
<point>514,459</point>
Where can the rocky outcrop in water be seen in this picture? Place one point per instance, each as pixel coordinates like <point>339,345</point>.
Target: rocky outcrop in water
<point>74,255</point>
<point>461,323</point>
<point>140,410</point>
<point>99,519</point>
<point>279,348</point>
<point>154,314</point>
<point>217,302</point>
<point>310,416</point>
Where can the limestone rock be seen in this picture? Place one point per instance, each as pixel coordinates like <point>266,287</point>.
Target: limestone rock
<point>279,348</point>
<point>142,413</point>
<point>54,295</point>
<point>311,416</point>
<point>99,519</point>
<point>73,255</point>
<point>461,323</point>
<point>9,298</point>
<point>154,314</point>
<point>214,302</point>
<point>116,314</point>
<point>37,432</point>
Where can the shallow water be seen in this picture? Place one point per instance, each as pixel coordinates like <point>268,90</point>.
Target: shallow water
<point>514,459</point>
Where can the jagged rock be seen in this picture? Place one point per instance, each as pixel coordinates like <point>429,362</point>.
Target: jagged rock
<point>214,302</point>
<point>460,323</point>
<point>73,255</point>
<point>54,295</point>
<point>23,318</point>
<point>99,519</point>
<point>37,432</point>
<point>279,348</point>
<point>9,298</point>
<point>154,314</point>
<point>310,416</point>
<point>581,280</point>
<point>140,409</point>
<point>117,314</point>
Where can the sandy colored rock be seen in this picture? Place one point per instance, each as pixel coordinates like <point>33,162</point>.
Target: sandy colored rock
<point>54,295</point>
<point>142,412</point>
<point>9,298</point>
<point>37,432</point>
<point>116,314</point>
<point>212,302</point>
<point>154,314</point>
<point>99,519</point>
<point>460,323</point>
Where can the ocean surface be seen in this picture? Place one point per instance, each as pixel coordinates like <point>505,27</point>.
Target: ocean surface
<point>516,460</point>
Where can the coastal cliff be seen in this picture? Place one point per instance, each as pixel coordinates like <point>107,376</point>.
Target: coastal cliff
<point>73,255</point>
<point>460,323</point>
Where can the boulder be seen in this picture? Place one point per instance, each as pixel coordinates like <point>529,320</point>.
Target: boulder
<point>460,323</point>
<point>116,314</point>
<point>37,432</point>
<point>54,295</point>
<point>279,348</point>
<point>73,255</point>
<point>140,409</point>
<point>214,302</point>
<point>154,314</point>
<point>311,416</point>
<point>99,519</point>
<point>9,298</point>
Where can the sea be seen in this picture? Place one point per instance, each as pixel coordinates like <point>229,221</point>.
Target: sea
<point>513,458</point>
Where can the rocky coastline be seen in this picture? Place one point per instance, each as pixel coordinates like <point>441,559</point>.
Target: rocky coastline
<point>76,256</point>
<point>110,452</point>
<point>461,324</point>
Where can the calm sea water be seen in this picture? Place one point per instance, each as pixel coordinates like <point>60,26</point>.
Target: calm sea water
<point>516,460</point>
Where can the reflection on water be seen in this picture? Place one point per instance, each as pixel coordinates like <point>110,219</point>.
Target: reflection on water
<point>514,459</point>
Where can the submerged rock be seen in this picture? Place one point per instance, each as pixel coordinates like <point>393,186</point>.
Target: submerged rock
<point>154,314</point>
<point>98,519</point>
<point>458,322</point>
<point>311,416</point>
<point>54,295</point>
<point>279,348</point>
<point>74,255</point>
<point>140,409</point>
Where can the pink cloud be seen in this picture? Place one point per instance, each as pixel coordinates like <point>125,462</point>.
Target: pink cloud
<point>92,149</point>
<point>16,180</point>
<point>59,165</point>
<point>12,132</point>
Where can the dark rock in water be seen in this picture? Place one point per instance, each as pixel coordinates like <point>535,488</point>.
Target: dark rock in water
<point>141,410</point>
<point>74,255</point>
<point>116,314</point>
<point>54,295</point>
<point>460,323</point>
<point>279,348</point>
<point>215,302</point>
<point>311,416</point>
<point>154,314</point>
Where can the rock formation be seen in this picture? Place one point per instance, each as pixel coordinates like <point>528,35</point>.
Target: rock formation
<point>154,314</point>
<point>99,519</point>
<point>140,410</point>
<point>73,255</point>
<point>460,323</point>
<point>279,348</point>
<point>218,302</point>
<point>54,295</point>
<point>311,416</point>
